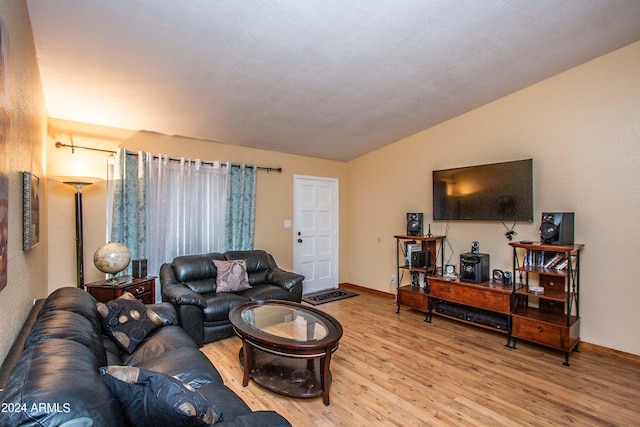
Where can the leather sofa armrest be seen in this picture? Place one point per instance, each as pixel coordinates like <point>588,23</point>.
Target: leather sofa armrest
<point>283,278</point>
<point>18,345</point>
<point>192,321</point>
<point>166,311</point>
<point>176,292</point>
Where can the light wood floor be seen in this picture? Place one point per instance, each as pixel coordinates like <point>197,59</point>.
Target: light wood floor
<point>396,370</point>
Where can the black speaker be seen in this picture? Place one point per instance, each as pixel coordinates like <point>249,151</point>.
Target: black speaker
<point>508,278</point>
<point>419,259</point>
<point>556,228</point>
<point>139,268</point>
<point>474,268</point>
<point>414,224</point>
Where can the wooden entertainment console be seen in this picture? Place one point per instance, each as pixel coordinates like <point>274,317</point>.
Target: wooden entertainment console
<point>485,304</point>
<point>541,305</point>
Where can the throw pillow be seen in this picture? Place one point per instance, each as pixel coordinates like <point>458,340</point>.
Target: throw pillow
<point>128,321</point>
<point>154,399</point>
<point>232,276</point>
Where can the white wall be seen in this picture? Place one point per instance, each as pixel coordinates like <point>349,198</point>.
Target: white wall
<point>22,150</point>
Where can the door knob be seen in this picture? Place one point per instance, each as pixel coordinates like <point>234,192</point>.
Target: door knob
<point>299,240</point>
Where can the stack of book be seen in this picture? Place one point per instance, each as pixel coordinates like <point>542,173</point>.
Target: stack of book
<point>557,261</point>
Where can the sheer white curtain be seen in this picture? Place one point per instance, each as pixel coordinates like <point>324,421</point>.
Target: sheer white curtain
<point>186,208</point>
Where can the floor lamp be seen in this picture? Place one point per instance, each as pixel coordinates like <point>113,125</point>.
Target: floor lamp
<point>78,182</point>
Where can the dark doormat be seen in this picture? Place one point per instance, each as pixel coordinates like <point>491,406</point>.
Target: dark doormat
<point>329,295</point>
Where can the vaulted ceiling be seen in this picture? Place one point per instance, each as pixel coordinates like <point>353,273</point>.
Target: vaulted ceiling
<point>333,79</point>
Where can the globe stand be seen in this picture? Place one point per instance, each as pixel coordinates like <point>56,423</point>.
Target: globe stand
<point>113,280</point>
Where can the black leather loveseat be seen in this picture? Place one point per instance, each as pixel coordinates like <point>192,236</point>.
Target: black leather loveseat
<point>190,284</point>
<point>54,373</point>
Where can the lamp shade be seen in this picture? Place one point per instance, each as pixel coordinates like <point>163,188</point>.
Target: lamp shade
<point>78,182</point>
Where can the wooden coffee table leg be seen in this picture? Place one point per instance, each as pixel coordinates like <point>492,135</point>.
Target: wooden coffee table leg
<point>326,377</point>
<point>248,361</point>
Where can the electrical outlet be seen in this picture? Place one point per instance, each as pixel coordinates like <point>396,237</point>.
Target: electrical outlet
<point>393,278</point>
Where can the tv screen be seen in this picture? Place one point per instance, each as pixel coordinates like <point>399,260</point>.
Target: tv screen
<point>493,192</point>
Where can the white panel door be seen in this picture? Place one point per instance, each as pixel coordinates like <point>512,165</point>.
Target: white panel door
<point>315,239</point>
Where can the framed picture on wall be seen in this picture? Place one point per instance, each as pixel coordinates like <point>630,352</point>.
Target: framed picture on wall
<point>4,225</point>
<point>4,66</point>
<point>31,200</point>
<point>4,131</point>
<point>4,198</point>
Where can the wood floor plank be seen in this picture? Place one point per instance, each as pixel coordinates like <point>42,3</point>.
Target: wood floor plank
<point>397,370</point>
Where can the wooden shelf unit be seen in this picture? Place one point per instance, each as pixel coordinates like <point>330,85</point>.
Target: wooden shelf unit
<point>413,296</point>
<point>551,319</point>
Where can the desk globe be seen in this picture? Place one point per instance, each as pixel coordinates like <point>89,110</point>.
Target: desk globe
<point>112,258</point>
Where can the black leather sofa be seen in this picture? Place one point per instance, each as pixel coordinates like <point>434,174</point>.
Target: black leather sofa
<point>52,374</point>
<point>189,283</point>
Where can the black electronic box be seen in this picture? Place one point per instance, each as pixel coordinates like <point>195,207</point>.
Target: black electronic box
<point>474,268</point>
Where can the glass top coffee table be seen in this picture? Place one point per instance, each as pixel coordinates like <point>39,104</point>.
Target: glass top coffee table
<point>286,346</point>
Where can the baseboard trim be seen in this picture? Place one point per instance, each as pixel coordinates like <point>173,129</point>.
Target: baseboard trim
<point>586,346</point>
<point>606,351</point>
<point>364,289</point>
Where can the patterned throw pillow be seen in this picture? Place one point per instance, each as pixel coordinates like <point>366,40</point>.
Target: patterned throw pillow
<point>232,276</point>
<point>155,399</point>
<point>128,321</point>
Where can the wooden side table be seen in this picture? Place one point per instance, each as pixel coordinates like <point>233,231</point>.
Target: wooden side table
<point>143,289</point>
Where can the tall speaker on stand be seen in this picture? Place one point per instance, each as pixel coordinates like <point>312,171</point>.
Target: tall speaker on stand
<point>556,228</point>
<point>415,223</point>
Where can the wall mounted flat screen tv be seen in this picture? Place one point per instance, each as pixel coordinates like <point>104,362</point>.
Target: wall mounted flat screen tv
<point>492,192</point>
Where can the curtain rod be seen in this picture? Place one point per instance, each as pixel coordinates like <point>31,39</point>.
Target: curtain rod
<point>73,147</point>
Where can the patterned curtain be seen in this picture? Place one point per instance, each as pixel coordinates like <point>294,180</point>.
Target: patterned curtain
<point>162,208</point>
<point>241,207</point>
<point>129,225</point>
<point>187,208</point>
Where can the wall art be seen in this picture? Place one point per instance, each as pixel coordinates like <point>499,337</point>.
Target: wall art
<point>31,207</point>
<point>4,197</point>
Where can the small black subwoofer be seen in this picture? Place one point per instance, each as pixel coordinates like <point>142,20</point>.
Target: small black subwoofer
<point>557,228</point>
<point>414,223</point>
<point>139,268</point>
<point>474,268</point>
<point>419,259</point>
